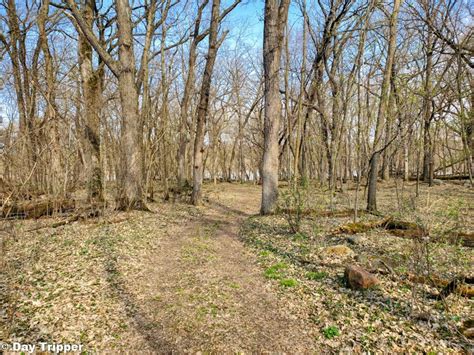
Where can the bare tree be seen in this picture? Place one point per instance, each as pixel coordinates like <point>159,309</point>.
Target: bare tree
<point>383,110</point>
<point>214,43</point>
<point>130,189</point>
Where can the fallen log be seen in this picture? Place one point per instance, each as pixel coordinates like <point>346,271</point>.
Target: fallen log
<point>452,177</point>
<point>443,177</point>
<point>359,227</point>
<point>83,214</point>
<point>463,238</point>
<point>404,229</point>
<point>36,209</point>
<point>318,213</point>
<point>461,285</point>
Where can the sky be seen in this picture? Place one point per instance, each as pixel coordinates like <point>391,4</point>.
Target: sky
<point>247,20</point>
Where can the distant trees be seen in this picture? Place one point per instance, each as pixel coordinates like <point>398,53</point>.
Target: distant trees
<point>109,96</point>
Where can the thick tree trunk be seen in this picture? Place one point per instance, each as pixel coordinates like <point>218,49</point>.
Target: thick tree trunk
<point>387,153</point>
<point>129,189</point>
<point>92,93</point>
<point>130,195</point>
<point>276,14</point>
<point>147,122</point>
<point>55,181</point>
<point>372,182</point>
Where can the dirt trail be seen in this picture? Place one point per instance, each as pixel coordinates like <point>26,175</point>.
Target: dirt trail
<point>176,280</point>
<point>207,291</point>
<point>181,280</point>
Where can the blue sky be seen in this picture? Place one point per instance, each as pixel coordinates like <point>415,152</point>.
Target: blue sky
<point>247,19</point>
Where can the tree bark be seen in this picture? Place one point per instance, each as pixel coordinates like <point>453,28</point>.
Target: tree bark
<point>214,43</point>
<point>92,93</point>
<point>276,14</point>
<point>130,195</point>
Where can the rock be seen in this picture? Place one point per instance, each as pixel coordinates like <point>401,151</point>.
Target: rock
<point>338,250</point>
<point>438,182</point>
<point>354,239</point>
<point>423,316</point>
<point>359,279</point>
<point>469,333</point>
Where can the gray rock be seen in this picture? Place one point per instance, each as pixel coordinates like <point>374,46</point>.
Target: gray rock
<point>354,239</point>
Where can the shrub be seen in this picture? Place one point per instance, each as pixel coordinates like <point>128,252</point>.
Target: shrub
<point>331,332</point>
<point>293,204</point>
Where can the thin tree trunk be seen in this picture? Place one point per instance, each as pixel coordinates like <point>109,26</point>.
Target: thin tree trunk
<point>299,117</point>
<point>214,43</point>
<point>427,112</point>
<point>188,91</point>
<point>383,111</point>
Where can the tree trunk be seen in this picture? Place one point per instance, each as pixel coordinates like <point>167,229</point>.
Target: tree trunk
<point>276,14</point>
<point>214,43</point>
<point>92,93</point>
<point>188,91</point>
<point>129,189</point>
<point>427,111</point>
<point>382,112</point>
<point>130,194</point>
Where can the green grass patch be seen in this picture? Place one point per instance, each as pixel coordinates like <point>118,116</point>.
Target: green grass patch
<point>275,271</point>
<point>288,282</point>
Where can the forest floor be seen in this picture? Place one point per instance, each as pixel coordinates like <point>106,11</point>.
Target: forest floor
<point>218,277</point>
